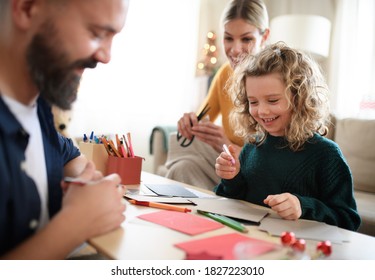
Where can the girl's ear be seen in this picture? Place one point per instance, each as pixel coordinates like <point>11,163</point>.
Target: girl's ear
<point>23,12</point>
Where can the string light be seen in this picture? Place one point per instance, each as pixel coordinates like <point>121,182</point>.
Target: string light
<point>208,64</point>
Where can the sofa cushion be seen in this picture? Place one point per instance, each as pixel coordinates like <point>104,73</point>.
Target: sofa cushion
<point>366,209</point>
<point>356,140</point>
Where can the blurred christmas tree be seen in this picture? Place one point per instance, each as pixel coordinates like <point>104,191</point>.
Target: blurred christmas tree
<point>208,64</point>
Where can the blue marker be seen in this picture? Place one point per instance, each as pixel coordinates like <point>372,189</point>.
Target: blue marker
<point>91,136</point>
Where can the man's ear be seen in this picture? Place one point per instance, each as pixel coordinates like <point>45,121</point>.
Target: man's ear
<point>23,12</point>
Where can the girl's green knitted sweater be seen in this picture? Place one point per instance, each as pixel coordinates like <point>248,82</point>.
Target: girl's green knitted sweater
<point>318,175</point>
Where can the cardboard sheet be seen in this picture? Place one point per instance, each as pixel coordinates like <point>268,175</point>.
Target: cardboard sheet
<point>170,190</point>
<point>162,199</point>
<point>232,208</point>
<point>305,229</point>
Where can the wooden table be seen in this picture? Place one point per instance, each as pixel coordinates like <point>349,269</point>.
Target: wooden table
<point>142,240</point>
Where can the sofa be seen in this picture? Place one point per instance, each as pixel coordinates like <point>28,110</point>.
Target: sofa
<point>356,139</point>
<point>159,142</point>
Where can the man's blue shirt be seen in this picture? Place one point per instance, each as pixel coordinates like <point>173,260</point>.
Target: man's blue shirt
<point>19,198</point>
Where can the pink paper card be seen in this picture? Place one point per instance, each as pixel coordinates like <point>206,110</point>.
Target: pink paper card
<point>223,247</point>
<point>183,222</point>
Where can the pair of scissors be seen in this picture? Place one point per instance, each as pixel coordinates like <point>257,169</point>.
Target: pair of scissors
<point>186,142</point>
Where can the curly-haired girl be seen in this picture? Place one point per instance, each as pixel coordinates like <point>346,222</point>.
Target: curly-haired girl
<point>287,164</point>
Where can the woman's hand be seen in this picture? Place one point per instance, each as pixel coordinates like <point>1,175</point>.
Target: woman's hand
<point>286,205</point>
<point>224,166</point>
<point>185,124</point>
<point>211,134</point>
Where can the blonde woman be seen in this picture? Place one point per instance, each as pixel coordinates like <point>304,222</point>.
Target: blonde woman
<point>246,30</point>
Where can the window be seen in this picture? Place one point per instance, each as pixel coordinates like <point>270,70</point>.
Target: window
<point>353,59</point>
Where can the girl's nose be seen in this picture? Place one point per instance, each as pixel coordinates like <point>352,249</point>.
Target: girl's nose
<point>263,109</point>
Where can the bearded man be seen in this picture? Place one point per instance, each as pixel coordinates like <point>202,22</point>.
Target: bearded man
<point>45,46</point>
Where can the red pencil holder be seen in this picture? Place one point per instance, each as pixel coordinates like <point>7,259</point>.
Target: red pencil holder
<point>129,169</point>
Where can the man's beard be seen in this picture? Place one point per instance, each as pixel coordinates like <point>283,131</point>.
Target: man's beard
<point>51,70</point>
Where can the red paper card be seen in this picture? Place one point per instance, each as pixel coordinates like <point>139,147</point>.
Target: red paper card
<point>183,222</point>
<point>223,247</point>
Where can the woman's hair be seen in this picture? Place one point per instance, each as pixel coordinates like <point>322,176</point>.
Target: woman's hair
<point>253,12</point>
<point>306,91</point>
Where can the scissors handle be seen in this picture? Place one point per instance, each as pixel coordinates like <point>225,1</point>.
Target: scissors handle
<point>186,142</point>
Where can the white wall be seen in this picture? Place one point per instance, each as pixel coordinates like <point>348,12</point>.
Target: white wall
<point>151,78</point>
<point>210,20</point>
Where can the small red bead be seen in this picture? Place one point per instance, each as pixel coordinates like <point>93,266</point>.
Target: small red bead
<point>325,247</point>
<point>288,238</point>
<point>299,245</point>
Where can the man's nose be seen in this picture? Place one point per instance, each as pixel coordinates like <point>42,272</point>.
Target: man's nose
<point>103,54</point>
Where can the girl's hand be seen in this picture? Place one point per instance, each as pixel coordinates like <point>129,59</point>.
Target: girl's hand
<point>286,205</point>
<point>224,164</point>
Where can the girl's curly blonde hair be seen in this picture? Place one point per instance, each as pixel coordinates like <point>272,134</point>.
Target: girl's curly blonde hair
<point>306,91</point>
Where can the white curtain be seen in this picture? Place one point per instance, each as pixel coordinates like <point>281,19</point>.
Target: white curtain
<point>352,64</point>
